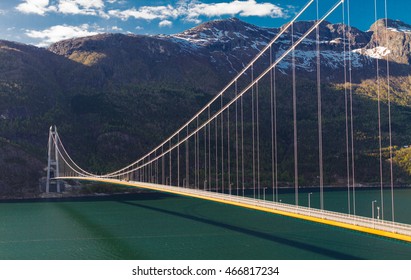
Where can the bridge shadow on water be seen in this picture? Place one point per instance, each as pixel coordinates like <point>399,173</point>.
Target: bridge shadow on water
<point>254,233</point>
<point>115,245</point>
<point>118,248</point>
<point>108,241</point>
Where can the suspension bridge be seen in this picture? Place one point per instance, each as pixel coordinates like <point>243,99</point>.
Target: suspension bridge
<point>218,154</point>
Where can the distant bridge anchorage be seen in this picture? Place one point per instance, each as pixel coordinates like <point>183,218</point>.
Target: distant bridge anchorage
<point>231,147</point>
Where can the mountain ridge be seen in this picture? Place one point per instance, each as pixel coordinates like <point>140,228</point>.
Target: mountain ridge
<point>226,44</point>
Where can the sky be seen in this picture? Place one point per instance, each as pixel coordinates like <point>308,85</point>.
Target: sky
<point>43,22</point>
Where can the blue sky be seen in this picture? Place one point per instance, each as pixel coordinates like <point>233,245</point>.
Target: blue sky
<point>42,22</point>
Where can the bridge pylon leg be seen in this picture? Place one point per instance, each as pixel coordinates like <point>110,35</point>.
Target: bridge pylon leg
<point>52,159</point>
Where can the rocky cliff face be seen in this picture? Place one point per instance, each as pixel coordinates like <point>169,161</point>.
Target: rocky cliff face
<point>392,38</point>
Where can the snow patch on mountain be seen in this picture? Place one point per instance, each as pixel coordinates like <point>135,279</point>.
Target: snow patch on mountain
<point>398,26</point>
<point>376,53</point>
<point>307,60</point>
<point>402,29</point>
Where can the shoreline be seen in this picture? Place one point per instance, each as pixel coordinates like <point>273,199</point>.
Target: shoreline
<point>69,195</point>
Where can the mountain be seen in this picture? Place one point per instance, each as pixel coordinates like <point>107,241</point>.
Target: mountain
<point>114,96</point>
<point>225,47</point>
<point>390,37</point>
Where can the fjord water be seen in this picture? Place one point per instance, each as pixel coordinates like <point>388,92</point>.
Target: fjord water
<point>162,226</point>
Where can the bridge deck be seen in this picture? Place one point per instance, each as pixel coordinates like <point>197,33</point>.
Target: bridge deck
<point>363,224</point>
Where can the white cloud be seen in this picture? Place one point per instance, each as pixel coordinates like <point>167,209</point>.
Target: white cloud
<point>60,32</point>
<point>80,5</point>
<point>191,10</point>
<point>187,10</point>
<point>165,23</point>
<point>74,7</point>
<point>147,13</point>
<point>66,7</point>
<point>243,8</point>
<point>139,27</point>
<point>116,28</point>
<point>39,7</point>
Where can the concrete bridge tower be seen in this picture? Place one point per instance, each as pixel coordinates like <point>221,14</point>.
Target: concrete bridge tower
<point>53,162</point>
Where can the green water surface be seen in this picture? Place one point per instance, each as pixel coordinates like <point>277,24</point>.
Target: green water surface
<point>162,226</point>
